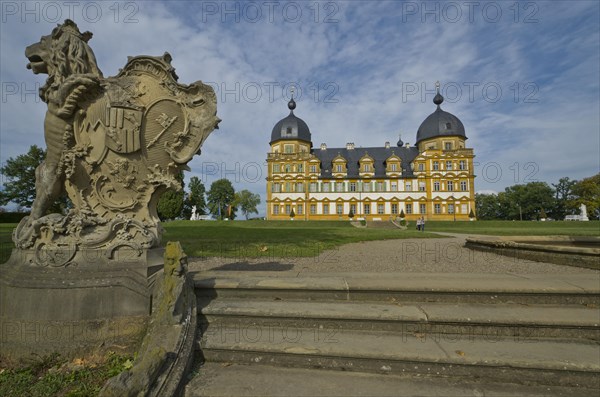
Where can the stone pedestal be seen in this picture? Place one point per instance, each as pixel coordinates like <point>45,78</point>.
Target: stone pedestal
<point>93,304</point>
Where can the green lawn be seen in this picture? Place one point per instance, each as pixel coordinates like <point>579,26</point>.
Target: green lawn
<point>306,239</point>
<point>256,238</point>
<point>518,228</point>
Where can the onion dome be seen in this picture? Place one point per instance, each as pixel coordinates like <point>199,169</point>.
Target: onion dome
<point>291,127</point>
<point>440,122</point>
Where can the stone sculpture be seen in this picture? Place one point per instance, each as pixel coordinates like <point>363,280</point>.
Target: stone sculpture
<point>114,145</point>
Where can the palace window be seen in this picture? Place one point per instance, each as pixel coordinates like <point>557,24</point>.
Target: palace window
<point>367,208</point>
<point>313,187</point>
<point>421,167</point>
<point>339,187</point>
<point>313,168</point>
<point>449,165</point>
<point>366,186</point>
<point>448,145</point>
<point>421,186</point>
<point>436,186</point>
<point>463,186</point>
<point>367,168</point>
<point>408,208</point>
<point>393,167</point>
<point>339,168</point>
<point>423,208</point>
<point>408,187</point>
<point>300,187</point>
<point>288,187</point>
<point>288,168</point>
<point>276,167</point>
<point>394,208</point>
<point>463,208</point>
<point>352,186</point>
<point>380,208</point>
<point>451,208</point>
<point>326,208</point>
<point>436,165</point>
<point>450,185</point>
<point>276,209</point>
<point>437,208</point>
<point>448,126</point>
<point>325,187</point>
<point>313,209</point>
<point>300,209</point>
<point>380,187</point>
<point>288,148</point>
<point>394,186</point>
<point>276,188</point>
<point>462,165</point>
<point>300,168</point>
<point>339,209</point>
<point>353,208</point>
<point>288,208</point>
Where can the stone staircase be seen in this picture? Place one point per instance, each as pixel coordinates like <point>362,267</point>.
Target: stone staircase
<point>465,333</point>
<point>382,224</point>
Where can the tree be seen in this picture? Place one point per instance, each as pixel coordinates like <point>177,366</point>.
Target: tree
<point>487,206</point>
<point>195,197</point>
<point>402,214</point>
<point>351,214</point>
<point>247,202</point>
<point>219,197</point>
<point>19,184</point>
<point>563,197</point>
<point>471,214</point>
<point>171,202</point>
<point>525,200</point>
<point>587,191</point>
<point>292,214</point>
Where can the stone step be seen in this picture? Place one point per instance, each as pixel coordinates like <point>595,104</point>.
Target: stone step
<point>462,320</point>
<point>226,379</point>
<point>583,289</point>
<point>538,362</point>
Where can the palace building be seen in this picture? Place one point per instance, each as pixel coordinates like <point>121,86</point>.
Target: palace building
<point>433,179</point>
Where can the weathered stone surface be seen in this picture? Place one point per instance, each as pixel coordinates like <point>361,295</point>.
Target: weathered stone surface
<point>167,349</point>
<point>114,145</point>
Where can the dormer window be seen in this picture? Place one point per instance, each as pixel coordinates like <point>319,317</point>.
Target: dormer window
<point>448,126</point>
<point>288,131</point>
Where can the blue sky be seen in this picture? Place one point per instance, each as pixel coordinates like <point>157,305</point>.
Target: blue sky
<point>524,77</point>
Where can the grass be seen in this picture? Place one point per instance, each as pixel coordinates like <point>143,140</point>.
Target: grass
<point>272,238</point>
<point>54,376</point>
<point>307,239</point>
<point>518,228</point>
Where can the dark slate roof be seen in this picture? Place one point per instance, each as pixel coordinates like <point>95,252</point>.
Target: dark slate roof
<point>297,127</point>
<point>352,156</point>
<point>436,124</point>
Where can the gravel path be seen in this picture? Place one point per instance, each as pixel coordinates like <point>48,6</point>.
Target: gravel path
<point>444,255</point>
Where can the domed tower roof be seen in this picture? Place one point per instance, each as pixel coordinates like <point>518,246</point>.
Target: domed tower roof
<point>291,127</point>
<point>440,123</point>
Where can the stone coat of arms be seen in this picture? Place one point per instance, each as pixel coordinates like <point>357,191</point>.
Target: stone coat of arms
<point>114,145</point>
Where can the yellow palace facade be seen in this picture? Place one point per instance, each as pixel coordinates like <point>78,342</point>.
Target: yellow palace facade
<point>433,179</point>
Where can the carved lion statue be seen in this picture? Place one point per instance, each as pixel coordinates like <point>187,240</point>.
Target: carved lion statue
<point>114,145</point>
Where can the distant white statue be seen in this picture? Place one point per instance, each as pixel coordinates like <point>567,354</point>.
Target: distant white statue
<point>583,216</point>
<point>194,216</point>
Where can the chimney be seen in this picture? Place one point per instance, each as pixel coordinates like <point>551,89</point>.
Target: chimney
<point>350,146</point>
<point>323,146</point>
<point>387,145</point>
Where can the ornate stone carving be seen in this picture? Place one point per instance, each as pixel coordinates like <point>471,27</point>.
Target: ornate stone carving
<point>114,146</point>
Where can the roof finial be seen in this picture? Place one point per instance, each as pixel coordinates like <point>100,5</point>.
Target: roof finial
<point>400,143</point>
<point>438,99</point>
<point>292,103</point>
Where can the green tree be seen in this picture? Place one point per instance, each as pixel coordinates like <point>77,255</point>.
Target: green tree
<point>351,214</point>
<point>471,214</point>
<point>525,200</point>
<point>587,191</point>
<point>402,216</point>
<point>292,214</point>
<point>247,202</point>
<point>487,206</point>
<point>19,181</point>
<point>170,203</point>
<point>563,196</point>
<point>220,196</point>
<point>195,197</point>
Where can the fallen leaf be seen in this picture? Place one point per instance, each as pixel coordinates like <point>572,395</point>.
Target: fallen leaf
<point>128,364</point>
<point>460,353</point>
